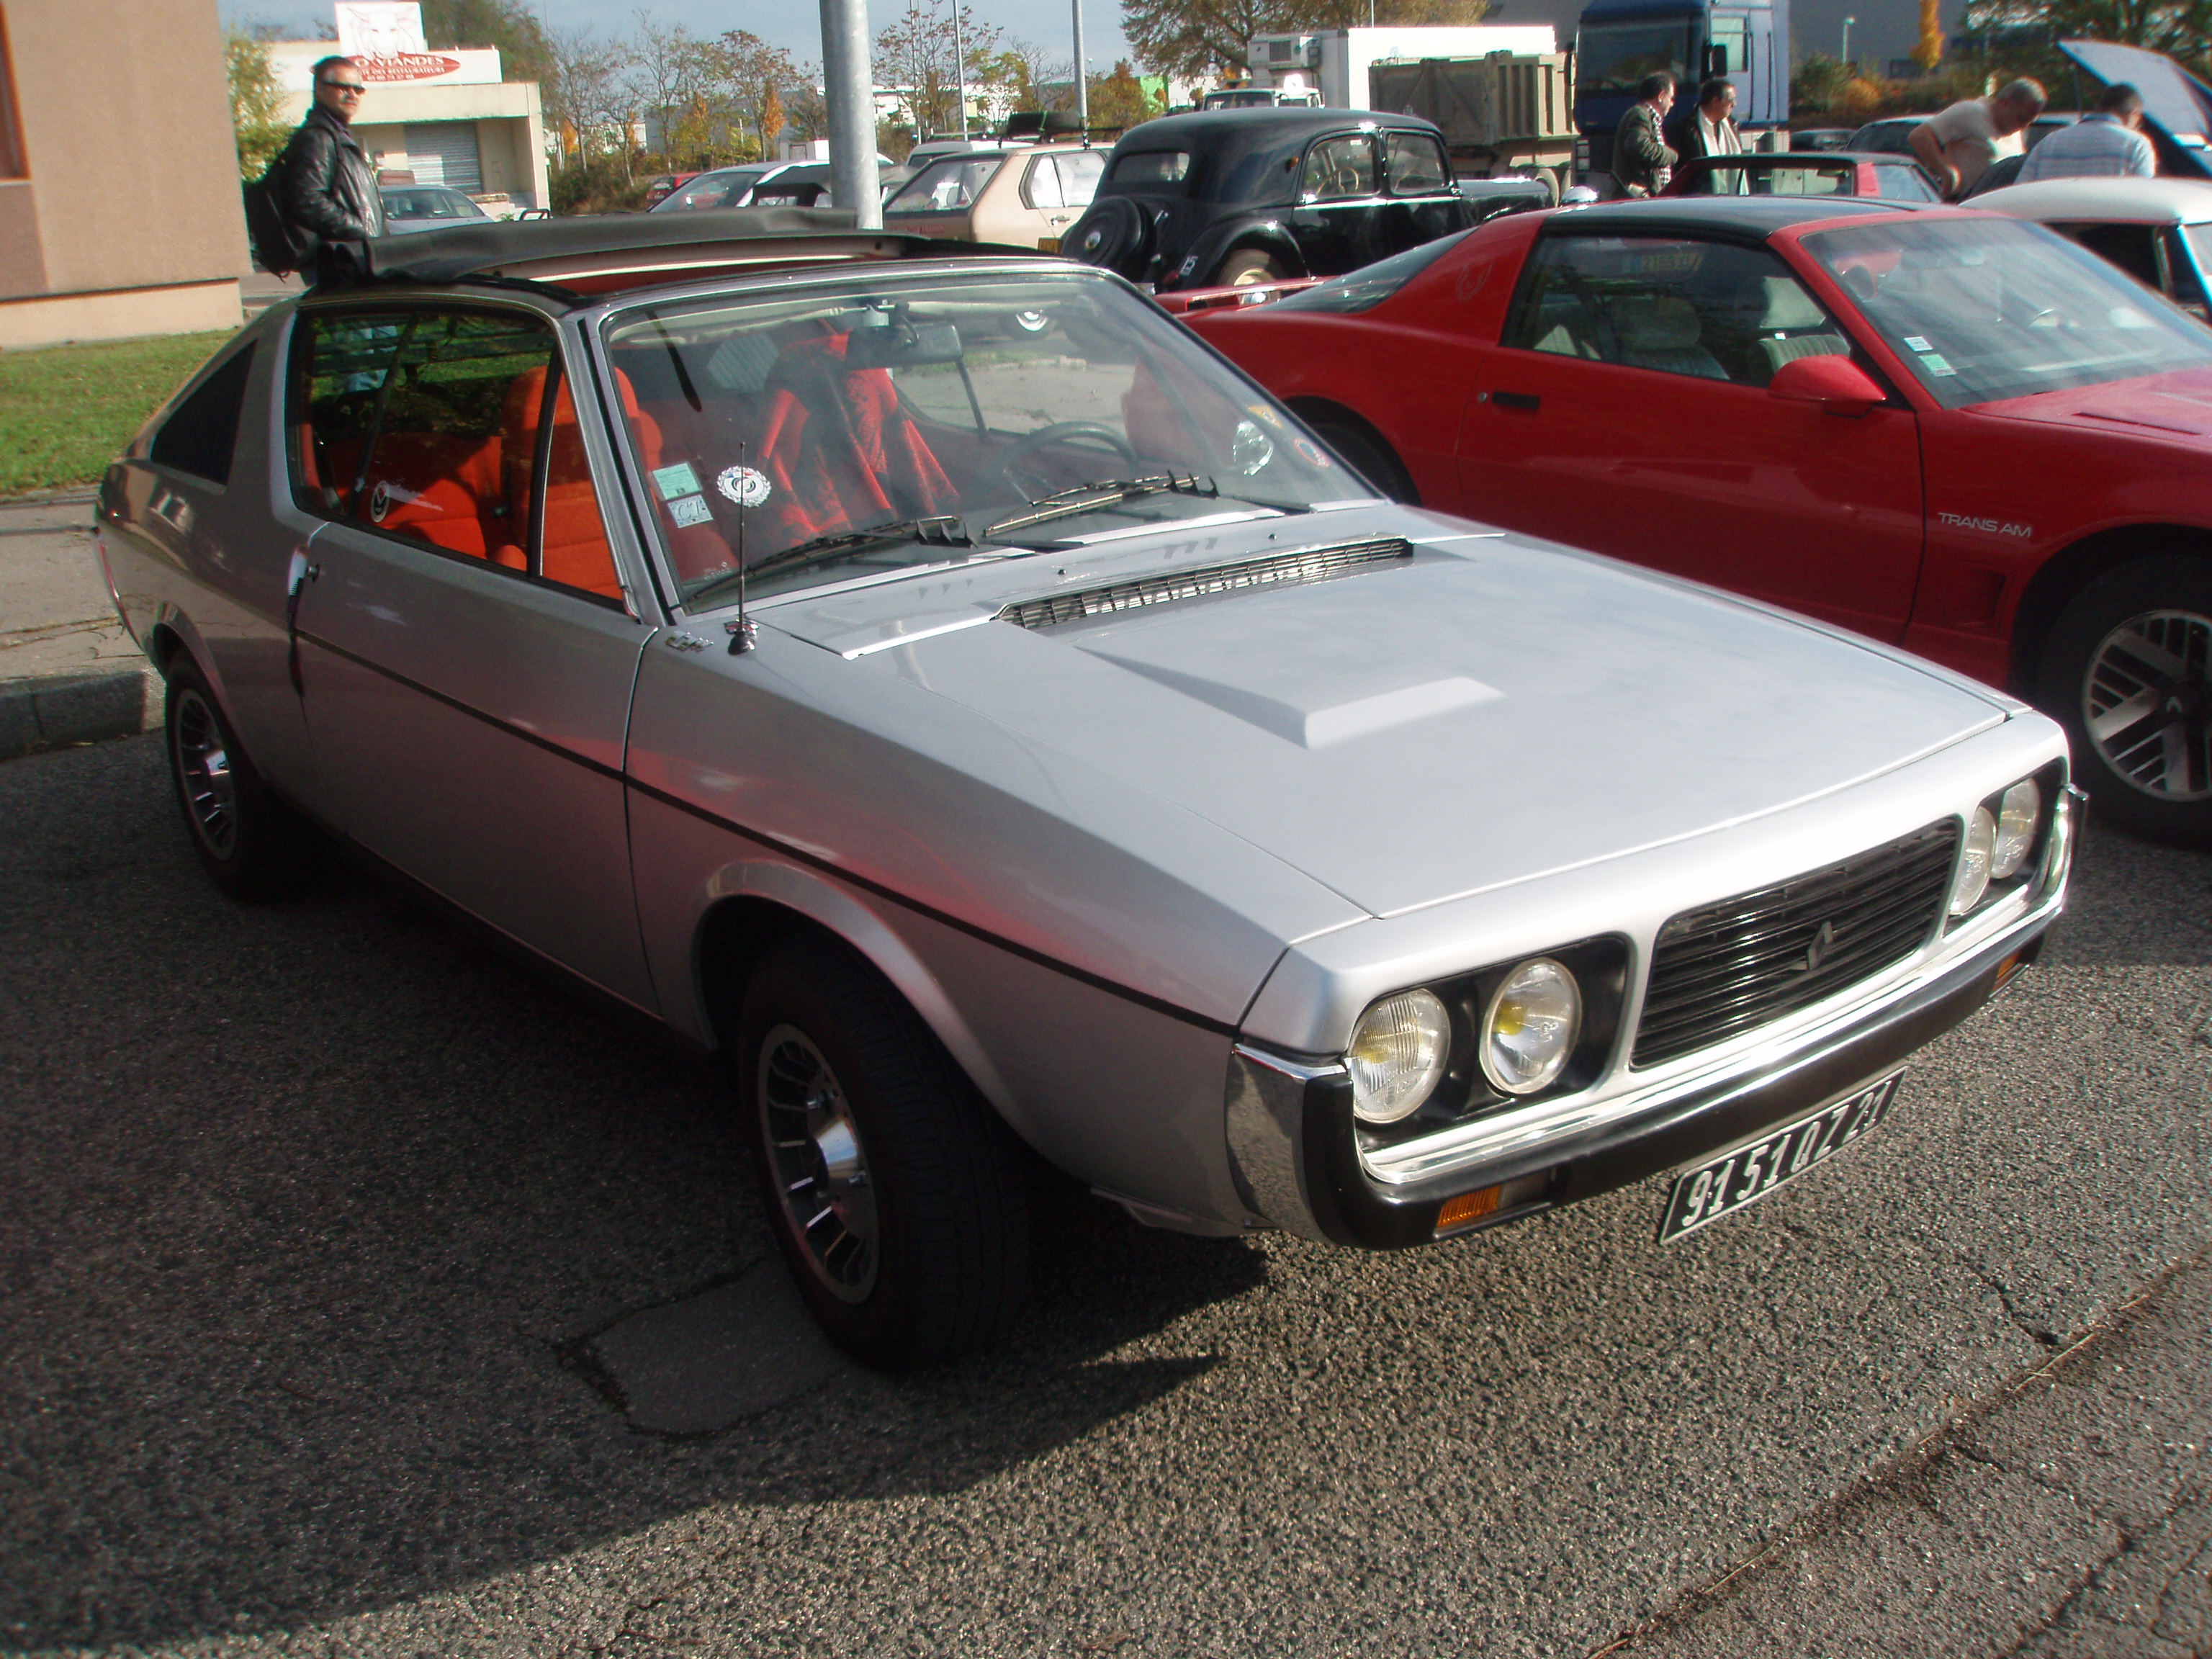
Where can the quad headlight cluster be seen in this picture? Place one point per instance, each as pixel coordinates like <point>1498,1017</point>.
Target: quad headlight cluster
<point>2002,838</point>
<point>1507,1033</point>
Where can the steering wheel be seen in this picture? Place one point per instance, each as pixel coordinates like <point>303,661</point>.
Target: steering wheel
<point>1062,432</point>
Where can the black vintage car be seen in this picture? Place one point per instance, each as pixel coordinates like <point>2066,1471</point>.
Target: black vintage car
<point>1236,196</point>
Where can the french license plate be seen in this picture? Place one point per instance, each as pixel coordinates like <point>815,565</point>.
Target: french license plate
<point>1744,1176</point>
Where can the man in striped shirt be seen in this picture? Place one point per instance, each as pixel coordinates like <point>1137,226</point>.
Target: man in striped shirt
<point>2106,144</point>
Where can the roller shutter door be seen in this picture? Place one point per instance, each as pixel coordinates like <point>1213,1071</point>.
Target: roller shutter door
<point>446,153</point>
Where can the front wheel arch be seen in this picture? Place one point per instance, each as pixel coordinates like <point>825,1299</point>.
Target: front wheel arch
<point>1327,418</point>
<point>2067,572</point>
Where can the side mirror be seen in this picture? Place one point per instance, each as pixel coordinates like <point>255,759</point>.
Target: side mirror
<point>1835,383</point>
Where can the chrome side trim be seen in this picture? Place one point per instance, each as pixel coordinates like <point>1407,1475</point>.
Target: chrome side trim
<point>1267,1126</point>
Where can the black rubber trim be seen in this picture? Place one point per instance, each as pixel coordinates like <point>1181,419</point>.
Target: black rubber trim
<point>798,855</point>
<point>1354,1210</point>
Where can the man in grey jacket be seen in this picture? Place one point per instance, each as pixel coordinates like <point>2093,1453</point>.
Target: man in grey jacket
<point>1643,161</point>
<point>329,196</point>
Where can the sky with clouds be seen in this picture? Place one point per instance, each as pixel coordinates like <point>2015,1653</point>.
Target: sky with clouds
<point>794,25</point>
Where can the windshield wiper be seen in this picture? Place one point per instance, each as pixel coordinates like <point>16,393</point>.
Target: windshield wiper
<point>1083,498</point>
<point>945,531</point>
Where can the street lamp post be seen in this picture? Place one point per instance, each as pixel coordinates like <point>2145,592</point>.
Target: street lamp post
<point>1848,21</point>
<point>848,87</point>
<point>960,70</point>
<point>1082,85</point>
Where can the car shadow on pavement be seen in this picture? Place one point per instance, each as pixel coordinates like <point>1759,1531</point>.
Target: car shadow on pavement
<point>342,1254</point>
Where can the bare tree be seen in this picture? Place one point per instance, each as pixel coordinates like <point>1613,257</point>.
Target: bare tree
<point>586,101</point>
<point>915,53</point>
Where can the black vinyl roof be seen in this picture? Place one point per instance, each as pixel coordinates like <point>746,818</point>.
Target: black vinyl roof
<point>1745,218</point>
<point>546,250</point>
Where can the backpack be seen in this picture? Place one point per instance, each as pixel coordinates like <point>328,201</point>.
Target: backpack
<point>274,243</point>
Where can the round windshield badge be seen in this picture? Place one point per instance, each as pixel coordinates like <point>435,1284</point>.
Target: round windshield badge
<point>380,502</point>
<point>743,485</point>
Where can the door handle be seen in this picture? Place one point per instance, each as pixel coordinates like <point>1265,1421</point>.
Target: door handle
<point>1526,400</point>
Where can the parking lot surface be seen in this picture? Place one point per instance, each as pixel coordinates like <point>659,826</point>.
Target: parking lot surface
<point>364,1293</point>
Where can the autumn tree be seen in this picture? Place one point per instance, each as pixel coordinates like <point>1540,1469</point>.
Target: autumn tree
<point>257,103</point>
<point>916,54</point>
<point>526,51</point>
<point>1201,37</point>
<point>588,102</point>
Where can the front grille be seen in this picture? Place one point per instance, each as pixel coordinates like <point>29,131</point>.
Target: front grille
<point>1311,564</point>
<point>1724,969</point>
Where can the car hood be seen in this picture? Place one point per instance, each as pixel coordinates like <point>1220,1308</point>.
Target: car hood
<point>1486,711</point>
<point>2177,406</point>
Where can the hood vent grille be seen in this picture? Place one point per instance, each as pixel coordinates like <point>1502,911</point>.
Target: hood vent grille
<point>1312,564</point>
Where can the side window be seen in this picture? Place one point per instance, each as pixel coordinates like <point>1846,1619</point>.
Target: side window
<point>2131,247</point>
<point>1904,184</point>
<point>1338,169</point>
<point>1415,164</point>
<point>200,435</point>
<point>1041,188</point>
<point>451,429</point>
<point>1064,180</point>
<point>1710,310</point>
<point>2187,290</point>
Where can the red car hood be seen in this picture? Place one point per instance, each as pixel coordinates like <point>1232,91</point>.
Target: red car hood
<point>2177,406</point>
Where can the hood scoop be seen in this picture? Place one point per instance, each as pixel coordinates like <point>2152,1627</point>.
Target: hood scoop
<point>1291,569</point>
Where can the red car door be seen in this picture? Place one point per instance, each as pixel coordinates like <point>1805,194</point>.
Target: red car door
<point>1627,411</point>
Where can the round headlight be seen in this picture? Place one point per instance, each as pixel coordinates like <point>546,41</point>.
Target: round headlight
<point>2018,814</point>
<point>1531,1026</point>
<point>1974,877</point>
<point>1398,1054</point>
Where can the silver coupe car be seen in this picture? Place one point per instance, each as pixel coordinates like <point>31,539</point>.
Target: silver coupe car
<point>1003,741</point>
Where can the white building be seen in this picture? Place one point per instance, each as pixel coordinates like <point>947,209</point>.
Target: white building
<point>444,117</point>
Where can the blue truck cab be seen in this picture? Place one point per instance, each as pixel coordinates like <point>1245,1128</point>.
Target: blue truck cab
<point>1619,42</point>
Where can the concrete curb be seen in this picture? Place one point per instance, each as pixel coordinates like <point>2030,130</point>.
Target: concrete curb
<point>55,711</point>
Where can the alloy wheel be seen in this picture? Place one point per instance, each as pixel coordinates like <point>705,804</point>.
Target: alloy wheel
<point>2147,704</point>
<point>203,766</point>
<point>820,1167</point>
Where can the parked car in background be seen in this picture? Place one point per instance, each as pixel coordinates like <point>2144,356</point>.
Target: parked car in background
<point>1024,197</point>
<point>1255,194</point>
<point>1049,753</point>
<point>722,187</point>
<point>411,208</point>
<point>2157,230</point>
<point>1822,138</point>
<point>661,184</point>
<point>1940,427</point>
<point>1259,98</point>
<point>1896,179</point>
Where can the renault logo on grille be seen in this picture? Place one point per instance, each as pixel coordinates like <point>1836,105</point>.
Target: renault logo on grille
<point>1823,942</point>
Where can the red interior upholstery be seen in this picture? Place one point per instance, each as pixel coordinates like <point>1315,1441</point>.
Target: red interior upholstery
<point>434,487</point>
<point>838,450</point>
<point>575,551</point>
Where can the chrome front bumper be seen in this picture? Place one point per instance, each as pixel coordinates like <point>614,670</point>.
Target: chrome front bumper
<point>1294,1144</point>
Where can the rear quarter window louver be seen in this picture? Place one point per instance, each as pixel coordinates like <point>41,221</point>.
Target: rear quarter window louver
<point>1311,564</point>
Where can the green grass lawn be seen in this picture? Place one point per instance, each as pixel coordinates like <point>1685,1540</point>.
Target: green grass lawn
<point>66,412</point>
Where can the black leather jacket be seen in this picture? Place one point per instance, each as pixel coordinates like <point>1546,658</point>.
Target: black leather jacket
<point>330,183</point>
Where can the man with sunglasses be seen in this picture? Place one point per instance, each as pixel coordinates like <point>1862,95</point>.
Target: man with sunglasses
<point>329,197</point>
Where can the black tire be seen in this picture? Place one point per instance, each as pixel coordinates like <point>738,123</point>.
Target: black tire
<point>2139,637</point>
<point>252,845</point>
<point>1370,457</point>
<point>920,1252</point>
<point>1112,234</point>
<point>1246,266</point>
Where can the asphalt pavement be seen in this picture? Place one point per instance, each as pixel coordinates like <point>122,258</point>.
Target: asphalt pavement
<point>361,1292</point>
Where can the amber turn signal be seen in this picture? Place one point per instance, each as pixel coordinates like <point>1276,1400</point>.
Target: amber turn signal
<point>1467,1207</point>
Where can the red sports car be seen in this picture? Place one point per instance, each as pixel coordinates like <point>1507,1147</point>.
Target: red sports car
<point>1954,432</point>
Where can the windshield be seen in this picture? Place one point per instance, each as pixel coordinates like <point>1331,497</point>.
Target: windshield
<point>1369,286</point>
<point>709,190</point>
<point>1610,58</point>
<point>951,186</point>
<point>978,415</point>
<point>1985,308</point>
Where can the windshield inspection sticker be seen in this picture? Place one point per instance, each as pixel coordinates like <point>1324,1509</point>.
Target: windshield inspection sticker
<point>1934,363</point>
<point>688,510</point>
<point>677,480</point>
<point>1914,343</point>
<point>743,485</point>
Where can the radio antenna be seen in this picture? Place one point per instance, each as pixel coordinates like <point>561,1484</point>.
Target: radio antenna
<point>744,636</point>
